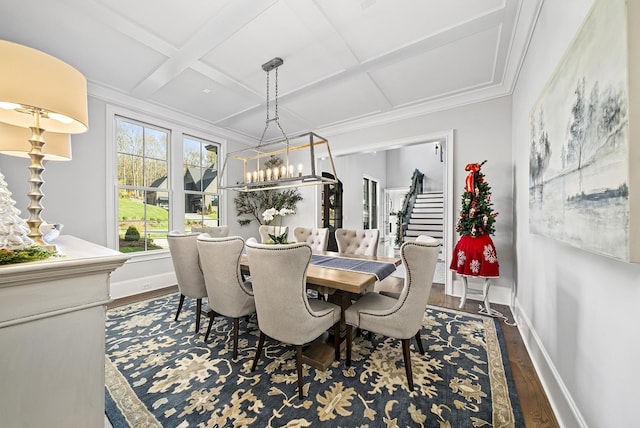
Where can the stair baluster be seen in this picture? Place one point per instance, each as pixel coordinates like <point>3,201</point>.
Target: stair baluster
<point>407,205</point>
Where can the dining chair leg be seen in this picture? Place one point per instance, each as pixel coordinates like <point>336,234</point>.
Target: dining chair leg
<point>349,344</point>
<point>198,314</point>
<point>236,322</point>
<point>407,361</point>
<point>211,315</point>
<point>336,340</point>
<point>179,306</point>
<point>419,340</point>
<point>299,369</point>
<point>258,351</point>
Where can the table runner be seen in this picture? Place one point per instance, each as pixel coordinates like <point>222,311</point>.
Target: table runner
<point>380,269</point>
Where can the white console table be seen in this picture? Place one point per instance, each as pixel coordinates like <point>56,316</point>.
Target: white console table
<point>52,338</point>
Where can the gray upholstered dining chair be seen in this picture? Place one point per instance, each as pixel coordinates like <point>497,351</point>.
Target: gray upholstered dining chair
<point>317,238</point>
<point>279,274</point>
<point>358,241</point>
<point>399,318</point>
<point>213,231</point>
<point>229,295</point>
<point>184,255</point>
<point>264,231</point>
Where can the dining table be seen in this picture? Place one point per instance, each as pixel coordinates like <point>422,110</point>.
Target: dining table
<point>340,278</point>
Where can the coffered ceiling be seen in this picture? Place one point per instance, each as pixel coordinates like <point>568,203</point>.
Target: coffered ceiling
<point>346,62</point>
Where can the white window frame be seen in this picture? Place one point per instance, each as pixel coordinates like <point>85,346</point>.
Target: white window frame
<point>145,187</point>
<point>176,191</point>
<point>202,193</point>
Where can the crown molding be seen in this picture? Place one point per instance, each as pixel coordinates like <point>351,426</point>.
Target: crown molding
<point>409,112</point>
<point>114,96</point>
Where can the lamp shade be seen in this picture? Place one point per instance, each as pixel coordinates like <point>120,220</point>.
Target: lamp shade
<point>14,141</point>
<point>33,79</point>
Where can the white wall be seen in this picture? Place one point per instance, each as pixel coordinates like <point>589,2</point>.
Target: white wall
<point>576,310</point>
<point>402,162</point>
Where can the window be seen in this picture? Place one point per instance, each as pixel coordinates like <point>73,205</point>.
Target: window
<point>143,185</point>
<point>161,176</point>
<point>200,172</point>
<point>369,203</point>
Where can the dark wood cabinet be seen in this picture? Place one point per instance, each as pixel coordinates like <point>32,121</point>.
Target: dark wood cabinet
<point>332,209</point>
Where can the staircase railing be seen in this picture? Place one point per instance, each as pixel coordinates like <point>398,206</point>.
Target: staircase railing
<point>407,205</point>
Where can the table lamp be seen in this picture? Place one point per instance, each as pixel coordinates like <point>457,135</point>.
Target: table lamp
<point>40,92</point>
<point>14,141</point>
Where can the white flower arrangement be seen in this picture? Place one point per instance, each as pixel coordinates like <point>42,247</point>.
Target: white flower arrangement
<point>272,214</point>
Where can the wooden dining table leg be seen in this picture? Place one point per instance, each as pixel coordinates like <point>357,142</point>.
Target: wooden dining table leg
<point>342,299</point>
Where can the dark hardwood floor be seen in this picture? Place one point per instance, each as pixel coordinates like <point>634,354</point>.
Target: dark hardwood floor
<point>143,296</point>
<point>535,407</point>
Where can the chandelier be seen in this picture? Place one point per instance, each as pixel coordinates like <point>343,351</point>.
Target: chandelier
<point>298,155</point>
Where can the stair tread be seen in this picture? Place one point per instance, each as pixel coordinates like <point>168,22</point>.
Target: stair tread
<point>422,232</point>
<point>427,216</point>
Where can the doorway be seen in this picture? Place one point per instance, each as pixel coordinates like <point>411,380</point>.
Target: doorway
<point>444,156</point>
<point>393,198</point>
<point>370,188</point>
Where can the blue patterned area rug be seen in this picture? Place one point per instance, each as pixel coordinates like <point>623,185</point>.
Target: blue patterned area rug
<point>160,374</point>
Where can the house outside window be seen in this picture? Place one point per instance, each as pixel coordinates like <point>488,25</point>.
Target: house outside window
<point>143,187</point>
<point>200,172</point>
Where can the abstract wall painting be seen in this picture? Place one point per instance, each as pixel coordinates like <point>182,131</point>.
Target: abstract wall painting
<point>581,188</point>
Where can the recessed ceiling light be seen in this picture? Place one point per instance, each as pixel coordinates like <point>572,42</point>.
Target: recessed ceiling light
<point>206,90</point>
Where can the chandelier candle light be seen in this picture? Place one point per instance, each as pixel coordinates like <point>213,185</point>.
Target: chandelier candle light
<point>299,152</point>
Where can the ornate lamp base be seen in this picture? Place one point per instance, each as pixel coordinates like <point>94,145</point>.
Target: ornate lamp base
<point>35,183</point>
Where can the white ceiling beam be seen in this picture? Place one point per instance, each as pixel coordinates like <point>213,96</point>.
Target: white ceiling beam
<point>467,28</point>
<point>231,19</point>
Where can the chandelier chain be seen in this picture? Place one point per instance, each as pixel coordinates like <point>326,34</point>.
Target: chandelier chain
<point>268,98</point>
<point>276,118</point>
<point>266,122</point>
<point>276,99</point>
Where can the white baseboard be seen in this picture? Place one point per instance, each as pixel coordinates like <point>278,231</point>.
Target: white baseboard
<point>565,409</point>
<point>131,287</point>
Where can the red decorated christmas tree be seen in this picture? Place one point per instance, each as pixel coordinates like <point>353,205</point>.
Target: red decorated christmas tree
<point>475,254</point>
